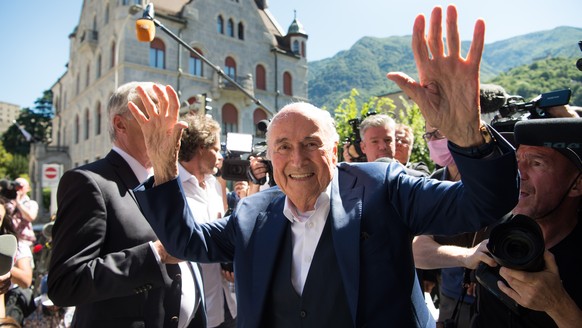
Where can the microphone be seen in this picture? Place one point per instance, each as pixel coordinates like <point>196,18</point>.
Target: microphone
<point>144,27</point>
<point>492,98</point>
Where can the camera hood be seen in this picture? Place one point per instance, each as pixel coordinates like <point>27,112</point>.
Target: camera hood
<point>518,244</point>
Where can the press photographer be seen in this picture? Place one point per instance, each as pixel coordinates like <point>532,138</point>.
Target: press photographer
<point>549,159</point>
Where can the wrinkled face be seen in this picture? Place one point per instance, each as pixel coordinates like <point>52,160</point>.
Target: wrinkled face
<point>130,138</point>
<point>546,175</point>
<point>303,158</point>
<point>403,147</point>
<point>378,142</point>
<point>210,158</point>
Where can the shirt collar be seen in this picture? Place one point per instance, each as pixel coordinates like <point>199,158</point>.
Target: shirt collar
<point>186,176</point>
<point>141,173</point>
<point>322,202</point>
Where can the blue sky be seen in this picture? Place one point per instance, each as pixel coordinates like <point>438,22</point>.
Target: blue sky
<point>36,45</point>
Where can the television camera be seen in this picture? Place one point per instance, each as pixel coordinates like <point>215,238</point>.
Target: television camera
<point>516,109</point>
<point>234,166</point>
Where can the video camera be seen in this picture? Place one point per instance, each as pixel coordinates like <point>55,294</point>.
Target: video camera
<point>516,109</point>
<point>517,243</point>
<point>234,167</point>
<point>354,139</point>
<point>9,189</point>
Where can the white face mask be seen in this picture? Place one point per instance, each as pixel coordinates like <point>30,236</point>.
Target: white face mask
<point>439,152</point>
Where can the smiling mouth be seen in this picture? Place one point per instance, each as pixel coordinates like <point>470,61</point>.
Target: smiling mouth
<point>300,176</point>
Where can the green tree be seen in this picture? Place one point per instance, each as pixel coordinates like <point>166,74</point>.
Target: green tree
<point>412,117</point>
<point>36,121</point>
<point>354,107</point>
<point>5,160</point>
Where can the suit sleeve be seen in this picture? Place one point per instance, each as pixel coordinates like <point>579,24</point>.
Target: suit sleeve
<point>166,209</point>
<point>489,190</point>
<point>83,267</point>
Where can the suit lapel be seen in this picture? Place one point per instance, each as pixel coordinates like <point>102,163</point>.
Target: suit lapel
<point>346,213</point>
<point>123,172</point>
<point>271,226</point>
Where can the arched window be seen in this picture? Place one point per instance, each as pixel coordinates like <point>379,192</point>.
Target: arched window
<point>87,124</point>
<point>88,76</point>
<point>78,83</point>
<point>287,84</point>
<point>98,119</point>
<point>230,66</point>
<point>230,28</point>
<point>229,118</point>
<point>295,47</point>
<point>303,52</point>
<point>77,128</point>
<point>260,77</point>
<point>157,52</point>
<point>112,61</point>
<point>195,64</point>
<point>220,24</point>
<point>98,68</point>
<point>106,16</point>
<point>259,115</point>
<point>241,31</point>
<point>94,23</point>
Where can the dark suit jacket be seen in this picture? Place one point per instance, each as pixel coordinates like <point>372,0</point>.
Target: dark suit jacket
<point>101,260</point>
<point>376,210</point>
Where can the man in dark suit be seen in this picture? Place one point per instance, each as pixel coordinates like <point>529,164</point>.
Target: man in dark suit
<point>106,259</point>
<point>331,245</point>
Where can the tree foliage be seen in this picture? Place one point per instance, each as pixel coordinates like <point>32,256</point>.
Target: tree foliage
<point>543,76</point>
<point>36,121</point>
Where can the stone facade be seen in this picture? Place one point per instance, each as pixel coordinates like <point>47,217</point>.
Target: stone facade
<point>104,54</point>
<point>8,114</point>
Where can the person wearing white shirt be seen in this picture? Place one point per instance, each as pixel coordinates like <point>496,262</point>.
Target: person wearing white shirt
<point>199,158</point>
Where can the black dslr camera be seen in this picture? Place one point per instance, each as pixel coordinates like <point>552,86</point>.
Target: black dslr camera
<point>9,189</point>
<point>517,244</point>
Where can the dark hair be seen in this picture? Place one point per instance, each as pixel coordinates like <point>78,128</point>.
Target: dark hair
<point>7,227</point>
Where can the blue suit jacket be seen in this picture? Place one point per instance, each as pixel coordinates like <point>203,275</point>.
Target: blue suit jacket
<point>376,210</point>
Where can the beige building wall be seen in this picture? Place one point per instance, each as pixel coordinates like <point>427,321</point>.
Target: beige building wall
<point>105,54</point>
<point>8,114</point>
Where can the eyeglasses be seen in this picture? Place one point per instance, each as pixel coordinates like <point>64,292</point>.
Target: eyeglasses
<point>436,134</point>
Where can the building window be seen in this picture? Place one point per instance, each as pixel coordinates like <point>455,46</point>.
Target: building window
<point>259,115</point>
<point>87,124</point>
<point>112,61</point>
<point>98,119</point>
<point>106,16</point>
<point>303,53</point>
<point>157,51</point>
<point>287,84</point>
<point>230,28</point>
<point>230,66</point>
<point>260,77</point>
<point>241,31</point>
<point>78,83</point>
<point>220,24</point>
<point>195,64</point>
<point>295,47</point>
<point>77,127</point>
<point>88,77</point>
<point>98,69</point>
<point>229,119</point>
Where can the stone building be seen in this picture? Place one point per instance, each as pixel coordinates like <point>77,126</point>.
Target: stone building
<point>8,114</point>
<point>240,38</point>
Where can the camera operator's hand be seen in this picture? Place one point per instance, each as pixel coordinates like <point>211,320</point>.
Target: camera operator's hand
<point>258,168</point>
<point>561,111</point>
<point>346,153</point>
<point>448,89</point>
<point>542,291</point>
<point>5,283</point>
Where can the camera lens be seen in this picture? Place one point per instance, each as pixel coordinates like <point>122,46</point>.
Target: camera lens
<point>518,244</point>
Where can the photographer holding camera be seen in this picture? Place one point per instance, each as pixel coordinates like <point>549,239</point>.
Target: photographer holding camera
<point>550,163</point>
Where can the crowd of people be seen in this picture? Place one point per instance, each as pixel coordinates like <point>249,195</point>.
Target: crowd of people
<point>152,236</point>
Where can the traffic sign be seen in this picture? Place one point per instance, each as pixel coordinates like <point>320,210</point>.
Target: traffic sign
<point>51,173</point>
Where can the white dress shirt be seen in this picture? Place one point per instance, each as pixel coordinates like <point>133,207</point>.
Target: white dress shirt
<point>306,229</point>
<point>188,302</point>
<point>206,204</point>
